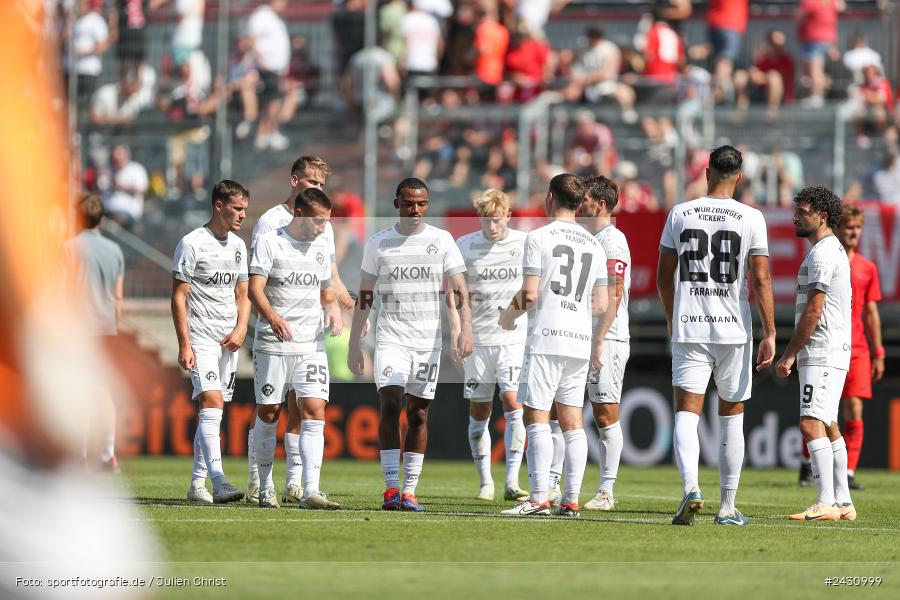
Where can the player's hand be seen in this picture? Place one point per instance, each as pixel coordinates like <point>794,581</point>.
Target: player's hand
<point>463,346</point>
<point>234,340</point>
<point>335,321</point>
<point>355,360</point>
<point>506,321</point>
<point>186,358</point>
<point>344,298</point>
<point>281,329</point>
<point>596,357</point>
<point>783,366</point>
<point>766,353</point>
<point>877,369</point>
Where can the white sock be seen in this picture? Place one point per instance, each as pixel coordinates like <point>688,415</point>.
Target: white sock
<point>822,459</point>
<point>264,440</point>
<point>109,448</point>
<point>412,469</point>
<point>514,442</point>
<point>610,454</point>
<point>576,459</point>
<point>841,486</point>
<point>480,444</point>
<point>731,459</point>
<point>198,474</point>
<point>210,427</point>
<point>252,468</point>
<point>687,448</point>
<point>390,467</point>
<point>559,454</point>
<point>294,473</point>
<point>540,450</point>
<point>312,446</point>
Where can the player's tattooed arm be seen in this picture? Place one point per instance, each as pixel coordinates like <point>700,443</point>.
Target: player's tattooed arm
<point>765,305</point>
<point>815,304</point>
<point>665,284</point>
<point>262,305</point>
<point>521,302</point>
<point>234,340</point>
<point>458,302</point>
<point>180,291</point>
<point>872,326</point>
<point>355,359</point>
<point>333,318</point>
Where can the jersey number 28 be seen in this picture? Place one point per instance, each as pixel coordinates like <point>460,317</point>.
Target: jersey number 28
<point>722,254</point>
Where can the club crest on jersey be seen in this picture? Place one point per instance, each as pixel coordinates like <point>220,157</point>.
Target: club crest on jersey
<point>237,257</point>
<point>431,249</point>
<point>472,384</point>
<point>515,252</point>
<point>268,389</point>
<point>320,258</point>
<point>388,371</point>
<point>211,376</point>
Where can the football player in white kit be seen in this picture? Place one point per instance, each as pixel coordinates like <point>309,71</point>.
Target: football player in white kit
<point>708,247</point>
<point>405,265</point>
<point>604,387</point>
<point>211,311</point>
<point>565,281</point>
<point>290,282</point>
<point>306,172</point>
<point>493,256</point>
<point>820,347</point>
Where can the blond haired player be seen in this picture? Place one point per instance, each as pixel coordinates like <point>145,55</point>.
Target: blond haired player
<point>493,256</point>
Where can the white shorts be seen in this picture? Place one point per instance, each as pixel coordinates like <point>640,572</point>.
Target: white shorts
<point>549,378</point>
<point>605,385</point>
<point>275,374</point>
<point>489,365</point>
<point>214,370</point>
<point>416,371</point>
<point>820,392</point>
<point>730,365</point>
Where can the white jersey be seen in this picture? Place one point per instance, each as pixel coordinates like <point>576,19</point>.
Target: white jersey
<point>570,262</point>
<point>618,264</point>
<point>213,267</point>
<point>409,272</point>
<point>277,217</point>
<point>493,277</point>
<point>297,271</point>
<point>713,238</point>
<point>826,268</point>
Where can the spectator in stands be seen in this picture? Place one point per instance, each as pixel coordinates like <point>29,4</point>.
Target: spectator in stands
<point>502,162</point>
<point>874,100</point>
<point>817,31</point>
<point>423,41</point>
<point>188,33</point>
<point>593,148</point>
<point>119,103</point>
<point>789,171</point>
<point>439,9</point>
<point>596,76</point>
<point>726,21</point>
<point>536,13</point>
<point>491,44</point>
<point>771,77</point>
<point>128,23</point>
<point>634,195</point>
<point>527,63</point>
<point>390,15</point>
<point>301,84</point>
<point>459,56</point>
<point>125,189</point>
<point>387,79</point>
<point>271,46</point>
<point>348,24</point>
<point>90,40</point>
<point>887,179</point>
<point>190,104</point>
<point>860,55</point>
<point>664,51</point>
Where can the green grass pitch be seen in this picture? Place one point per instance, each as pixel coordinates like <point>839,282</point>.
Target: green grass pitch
<point>462,548</point>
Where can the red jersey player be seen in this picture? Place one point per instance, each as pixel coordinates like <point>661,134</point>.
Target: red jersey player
<point>866,333</point>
